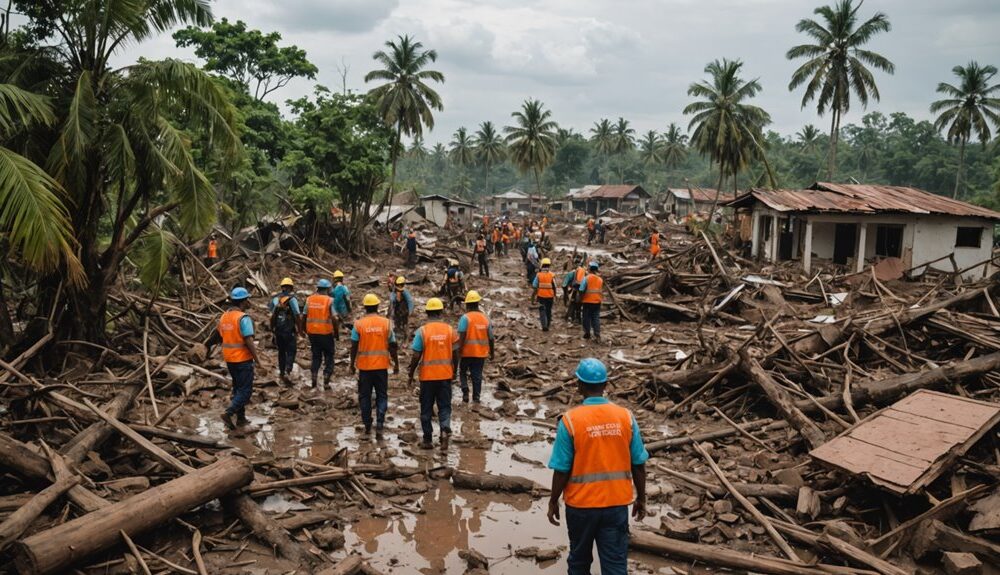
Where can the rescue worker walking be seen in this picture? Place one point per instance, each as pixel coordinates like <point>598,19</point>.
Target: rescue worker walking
<point>212,253</point>
<point>572,285</point>
<point>591,294</point>
<point>454,284</point>
<point>411,250</point>
<point>341,298</point>
<point>531,263</point>
<point>240,354</point>
<point>591,230</point>
<point>497,242</point>
<point>286,325</point>
<point>481,256</point>
<point>435,352</point>
<point>475,341</point>
<point>654,245</point>
<point>597,459</point>
<point>322,328</point>
<point>400,308</point>
<point>545,293</point>
<point>372,345</point>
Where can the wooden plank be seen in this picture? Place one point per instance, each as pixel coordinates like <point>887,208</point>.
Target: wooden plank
<point>878,463</point>
<point>943,407</point>
<point>947,428</point>
<point>925,442</point>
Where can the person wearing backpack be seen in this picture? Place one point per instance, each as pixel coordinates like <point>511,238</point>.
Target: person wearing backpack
<point>286,324</point>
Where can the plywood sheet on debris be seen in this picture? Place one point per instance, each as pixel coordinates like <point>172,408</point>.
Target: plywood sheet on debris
<point>908,444</point>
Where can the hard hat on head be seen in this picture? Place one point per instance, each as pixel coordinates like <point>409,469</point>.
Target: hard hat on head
<point>594,265</point>
<point>323,283</point>
<point>370,300</point>
<point>239,294</point>
<point>452,262</point>
<point>434,304</point>
<point>473,297</point>
<point>287,282</point>
<point>546,262</point>
<point>338,275</point>
<point>400,280</point>
<point>591,370</point>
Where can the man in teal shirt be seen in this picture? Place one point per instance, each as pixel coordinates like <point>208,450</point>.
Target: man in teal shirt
<point>341,298</point>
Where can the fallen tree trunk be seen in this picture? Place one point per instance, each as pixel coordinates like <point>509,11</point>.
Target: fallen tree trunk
<point>886,390</point>
<point>487,482</point>
<point>98,432</point>
<point>762,424</point>
<point>16,456</point>
<point>782,401</point>
<point>718,556</point>
<point>14,526</point>
<point>62,546</point>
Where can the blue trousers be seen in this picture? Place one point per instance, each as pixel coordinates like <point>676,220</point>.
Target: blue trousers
<point>242,374</point>
<point>322,352</point>
<point>606,526</point>
<point>287,346</point>
<point>376,380</point>
<point>545,311</point>
<point>471,368</point>
<point>591,319</point>
<point>435,393</point>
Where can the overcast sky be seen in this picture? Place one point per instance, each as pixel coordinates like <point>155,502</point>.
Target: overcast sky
<point>589,59</point>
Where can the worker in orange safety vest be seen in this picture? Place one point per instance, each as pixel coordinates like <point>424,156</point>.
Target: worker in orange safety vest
<point>544,285</point>
<point>435,352</point>
<point>323,331</point>
<point>475,344</point>
<point>597,459</point>
<point>590,295</point>
<point>373,344</point>
<point>236,332</point>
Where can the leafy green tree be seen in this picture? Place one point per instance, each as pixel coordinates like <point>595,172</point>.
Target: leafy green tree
<point>122,147</point>
<point>837,64</point>
<point>249,57</point>
<point>674,144</point>
<point>968,108</point>
<point>727,129</point>
<point>405,100</point>
<point>623,143</point>
<point>490,149</point>
<point>602,136</point>
<point>532,140</point>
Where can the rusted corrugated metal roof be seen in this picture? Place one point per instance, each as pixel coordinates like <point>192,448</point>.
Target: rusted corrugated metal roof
<point>704,195</point>
<point>619,191</point>
<point>863,199</point>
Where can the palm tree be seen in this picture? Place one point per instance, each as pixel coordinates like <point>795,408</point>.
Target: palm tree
<point>651,148</point>
<point>405,101</point>
<point>532,141</point>
<point>123,153</point>
<point>602,136</point>
<point>970,107</point>
<point>490,149</point>
<point>838,64</point>
<point>623,142</point>
<point>417,150</point>
<point>726,128</point>
<point>674,146</point>
<point>462,151</point>
<point>808,138</point>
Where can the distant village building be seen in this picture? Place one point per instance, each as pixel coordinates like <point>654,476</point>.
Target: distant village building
<point>683,201</point>
<point>514,200</point>
<point>440,209</point>
<point>857,224</point>
<point>593,200</point>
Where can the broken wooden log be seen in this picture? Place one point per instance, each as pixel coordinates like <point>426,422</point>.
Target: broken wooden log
<point>348,566</point>
<point>782,401</point>
<point>195,440</point>
<point>64,545</point>
<point>307,518</point>
<point>20,520</point>
<point>490,482</point>
<point>75,450</point>
<point>718,556</point>
<point>762,424</point>
<point>317,479</point>
<point>16,456</point>
<point>935,536</point>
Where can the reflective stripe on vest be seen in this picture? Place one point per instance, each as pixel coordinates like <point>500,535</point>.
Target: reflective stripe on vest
<point>318,316</point>
<point>436,358</point>
<point>593,292</point>
<point>234,349</point>
<point>373,343</point>
<point>546,284</point>
<point>601,475</point>
<point>477,335</point>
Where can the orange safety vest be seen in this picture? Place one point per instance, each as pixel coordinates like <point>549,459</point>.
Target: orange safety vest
<point>505,238</point>
<point>477,335</point>
<point>590,225</point>
<point>593,293</point>
<point>517,234</point>
<point>373,343</point>
<point>234,349</point>
<point>601,475</point>
<point>546,284</point>
<point>496,235</point>
<point>318,317</point>
<point>480,246</point>
<point>580,273</point>
<point>436,359</point>
<point>213,249</point>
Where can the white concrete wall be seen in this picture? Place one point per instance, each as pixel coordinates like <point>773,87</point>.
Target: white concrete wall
<point>436,212</point>
<point>935,237</point>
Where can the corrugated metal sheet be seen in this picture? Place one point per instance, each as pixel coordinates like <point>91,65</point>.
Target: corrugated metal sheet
<point>863,199</point>
<point>702,195</point>
<point>616,191</point>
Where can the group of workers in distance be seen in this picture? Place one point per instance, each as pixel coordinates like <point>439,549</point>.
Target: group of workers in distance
<point>496,241</point>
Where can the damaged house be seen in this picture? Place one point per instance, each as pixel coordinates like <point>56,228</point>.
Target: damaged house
<point>683,201</point>
<point>852,225</point>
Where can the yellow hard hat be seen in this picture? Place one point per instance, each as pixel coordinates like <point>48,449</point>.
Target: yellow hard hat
<point>546,262</point>
<point>338,274</point>
<point>473,297</point>
<point>434,304</point>
<point>287,282</point>
<point>400,280</point>
<point>370,300</point>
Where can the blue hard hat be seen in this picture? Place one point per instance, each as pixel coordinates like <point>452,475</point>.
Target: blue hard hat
<point>239,293</point>
<point>323,283</point>
<point>592,370</point>
<point>594,265</point>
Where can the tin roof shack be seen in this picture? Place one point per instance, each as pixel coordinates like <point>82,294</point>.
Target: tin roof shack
<point>595,199</point>
<point>852,224</point>
<point>440,209</point>
<point>684,201</point>
<point>514,200</point>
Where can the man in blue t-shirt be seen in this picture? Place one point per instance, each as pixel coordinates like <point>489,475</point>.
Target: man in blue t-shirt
<point>341,298</point>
